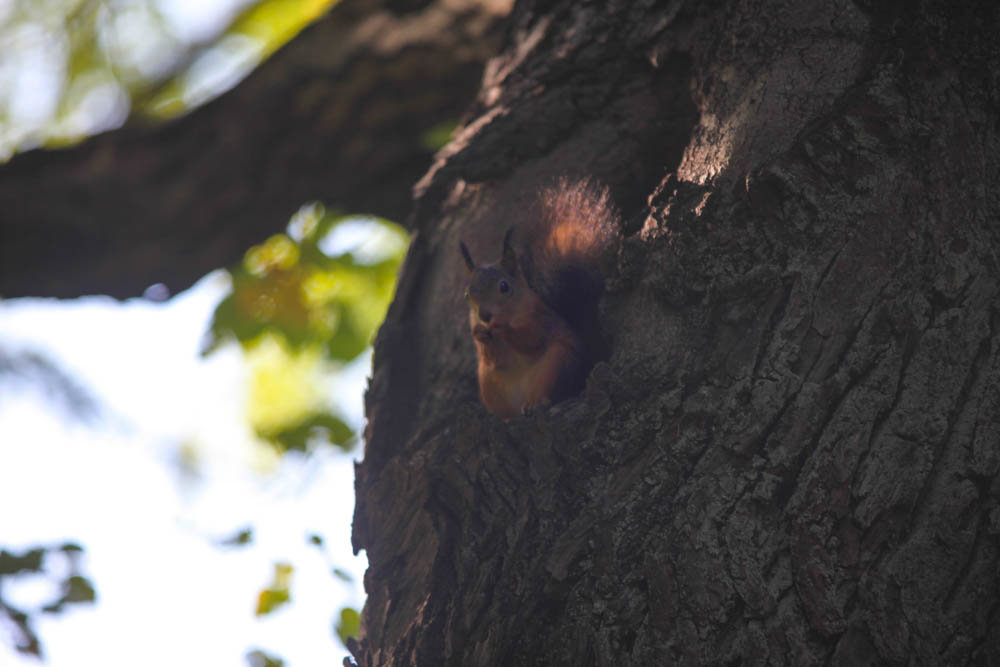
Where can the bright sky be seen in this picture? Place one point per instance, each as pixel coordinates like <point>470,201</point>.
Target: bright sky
<point>167,595</point>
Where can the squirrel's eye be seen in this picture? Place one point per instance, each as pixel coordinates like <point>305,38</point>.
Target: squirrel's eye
<point>504,287</point>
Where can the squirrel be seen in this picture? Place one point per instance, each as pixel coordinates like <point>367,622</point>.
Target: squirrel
<point>534,314</point>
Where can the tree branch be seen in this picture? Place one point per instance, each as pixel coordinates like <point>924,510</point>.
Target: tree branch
<point>338,115</point>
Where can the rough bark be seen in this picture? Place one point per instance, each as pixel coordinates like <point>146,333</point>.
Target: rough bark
<point>338,116</point>
<point>792,455</point>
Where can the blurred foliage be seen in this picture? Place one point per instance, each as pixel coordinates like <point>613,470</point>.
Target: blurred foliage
<point>278,592</point>
<point>241,538</point>
<point>286,387</point>
<point>320,427</point>
<point>314,289</point>
<point>349,624</point>
<point>60,566</point>
<point>71,68</point>
<point>259,658</point>
<point>25,367</point>
<point>252,37</point>
<point>302,301</point>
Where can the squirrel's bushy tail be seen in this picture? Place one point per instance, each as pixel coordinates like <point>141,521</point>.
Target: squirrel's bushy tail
<point>580,223</point>
<point>576,225</point>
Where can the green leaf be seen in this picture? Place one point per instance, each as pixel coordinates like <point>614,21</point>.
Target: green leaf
<point>277,593</point>
<point>289,286</point>
<point>259,658</point>
<point>29,561</point>
<point>349,624</point>
<point>322,427</point>
<point>343,575</point>
<point>270,599</point>
<point>78,589</point>
<point>347,342</point>
<point>240,538</point>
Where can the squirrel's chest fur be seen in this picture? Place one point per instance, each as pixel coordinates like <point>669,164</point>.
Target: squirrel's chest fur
<point>506,376</point>
<point>526,365</point>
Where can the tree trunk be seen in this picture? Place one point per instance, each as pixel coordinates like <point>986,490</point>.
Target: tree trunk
<point>792,455</point>
<point>339,115</point>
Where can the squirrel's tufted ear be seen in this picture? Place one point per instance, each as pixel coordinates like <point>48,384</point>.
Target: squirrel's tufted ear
<point>508,262</point>
<point>467,257</point>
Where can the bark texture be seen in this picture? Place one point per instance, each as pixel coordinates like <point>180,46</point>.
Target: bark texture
<point>338,116</point>
<point>792,455</point>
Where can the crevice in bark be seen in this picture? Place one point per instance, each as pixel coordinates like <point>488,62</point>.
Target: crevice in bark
<point>961,403</point>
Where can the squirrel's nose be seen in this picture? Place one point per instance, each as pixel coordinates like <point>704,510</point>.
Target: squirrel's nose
<point>485,316</point>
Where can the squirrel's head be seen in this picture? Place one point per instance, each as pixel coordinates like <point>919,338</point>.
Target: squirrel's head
<point>495,291</point>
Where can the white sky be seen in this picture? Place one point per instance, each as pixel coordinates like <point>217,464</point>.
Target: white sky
<point>166,594</point>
